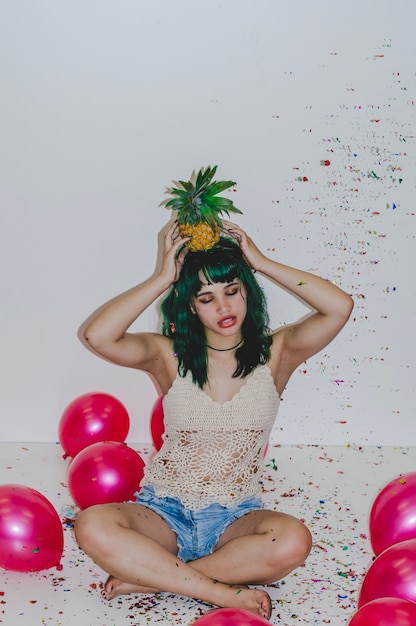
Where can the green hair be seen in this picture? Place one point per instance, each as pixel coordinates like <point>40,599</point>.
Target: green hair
<point>221,264</point>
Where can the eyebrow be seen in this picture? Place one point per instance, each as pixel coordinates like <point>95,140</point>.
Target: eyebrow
<point>205,293</point>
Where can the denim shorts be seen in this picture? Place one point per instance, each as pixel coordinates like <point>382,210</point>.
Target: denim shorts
<point>197,532</point>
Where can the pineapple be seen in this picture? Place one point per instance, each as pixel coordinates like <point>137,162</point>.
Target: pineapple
<point>199,209</point>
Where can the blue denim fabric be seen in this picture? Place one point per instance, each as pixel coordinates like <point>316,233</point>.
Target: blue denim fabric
<point>197,532</point>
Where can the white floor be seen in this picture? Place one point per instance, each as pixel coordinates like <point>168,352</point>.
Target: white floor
<point>330,488</point>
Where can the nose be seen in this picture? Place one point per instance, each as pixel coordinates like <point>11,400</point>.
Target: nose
<point>223,305</point>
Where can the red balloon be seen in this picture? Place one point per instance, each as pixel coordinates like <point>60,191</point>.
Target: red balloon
<point>31,535</point>
<point>91,418</point>
<point>231,617</point>
<point>393,513</point>
<point>386,612</point>
<point>157,425</point>
<point>107,471</point>
<point>392,574</point>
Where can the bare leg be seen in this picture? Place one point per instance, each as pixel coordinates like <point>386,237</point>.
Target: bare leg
<point>137,547</point>
<point>258,549</point>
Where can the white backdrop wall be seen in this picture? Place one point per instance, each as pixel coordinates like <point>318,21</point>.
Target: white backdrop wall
<point>309,106</point>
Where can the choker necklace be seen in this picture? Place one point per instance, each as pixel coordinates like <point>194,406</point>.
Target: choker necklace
<point>225,349</point>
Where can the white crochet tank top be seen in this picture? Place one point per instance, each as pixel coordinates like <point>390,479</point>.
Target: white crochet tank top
<point>212,451</point>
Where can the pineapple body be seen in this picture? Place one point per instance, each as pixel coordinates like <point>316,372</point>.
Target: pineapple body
<point>203,236</point>
<point>199,208</point>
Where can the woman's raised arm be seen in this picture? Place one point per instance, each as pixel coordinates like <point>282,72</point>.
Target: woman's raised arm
<point>107,332</point>
<point>332,306</point>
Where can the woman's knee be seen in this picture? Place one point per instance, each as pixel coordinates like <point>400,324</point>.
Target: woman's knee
<point>302,542</point>
<point>92,526</point>
<point>299,540</point>
<point>292,544</point>
<point>84,525</point>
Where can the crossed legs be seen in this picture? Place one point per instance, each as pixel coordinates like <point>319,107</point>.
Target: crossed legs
<point>138,549</point>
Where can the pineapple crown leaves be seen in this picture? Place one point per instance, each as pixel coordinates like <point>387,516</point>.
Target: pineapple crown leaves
<point>198,201</point>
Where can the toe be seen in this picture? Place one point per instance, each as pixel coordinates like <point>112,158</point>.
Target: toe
<point>108,589</point>
<point>266,607</point>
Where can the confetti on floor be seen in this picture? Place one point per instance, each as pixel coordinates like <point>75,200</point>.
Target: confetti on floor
<point>330,487</point>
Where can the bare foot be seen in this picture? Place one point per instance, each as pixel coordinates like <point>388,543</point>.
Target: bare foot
<point>114,587</point>
<point>254,600</point>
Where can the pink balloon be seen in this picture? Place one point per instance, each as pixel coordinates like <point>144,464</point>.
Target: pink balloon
<point>91,418</point>
<point>386,612</point>
<point>392,574</point>
<point>107,471</point>
<point>31,535</point>
<point>231,617</point>
<point>393,513</point>
<point>157,425</point>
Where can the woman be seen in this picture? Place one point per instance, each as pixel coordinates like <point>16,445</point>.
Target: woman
<point>198,527</point>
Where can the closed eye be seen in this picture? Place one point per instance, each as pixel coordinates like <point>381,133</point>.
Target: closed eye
<point>205,297</point>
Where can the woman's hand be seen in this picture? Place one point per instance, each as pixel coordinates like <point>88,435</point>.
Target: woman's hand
<point>174,252</point>
<point>252,254</point>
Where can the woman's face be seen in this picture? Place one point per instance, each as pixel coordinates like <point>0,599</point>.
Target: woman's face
<point>221,307</point>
